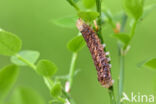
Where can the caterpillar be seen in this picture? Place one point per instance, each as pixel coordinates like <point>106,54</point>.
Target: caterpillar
<point>99,56</point>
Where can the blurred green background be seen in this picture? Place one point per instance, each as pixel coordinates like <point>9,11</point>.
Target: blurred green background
<point>31,21</point>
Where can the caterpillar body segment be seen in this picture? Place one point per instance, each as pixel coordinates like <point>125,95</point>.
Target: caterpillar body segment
<point>99,56</point>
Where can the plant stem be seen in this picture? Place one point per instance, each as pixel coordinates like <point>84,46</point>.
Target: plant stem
<point>68,96</point>
<point>121,58</point>
<point>48,82</point>
<point>99,21</point>
<point>124,20</point>
<point>72,69</point>
<point>73,4</point>
<point>98,5</point>
<point>112,96</point>
<point>61,99</point>
<point>121,77</point>
<point>133,29</point>
<point>26,62</point>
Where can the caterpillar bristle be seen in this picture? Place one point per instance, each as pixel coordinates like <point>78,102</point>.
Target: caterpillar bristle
<point>104,45</point>
<point>107,53</point>
<point>99,56</point>
<point>109,59</point>
<point>110,65</point>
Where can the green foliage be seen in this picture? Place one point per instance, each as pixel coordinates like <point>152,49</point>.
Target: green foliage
<point>56,89</point>
<point>26,96</point>
<point>148,9</point>
<point>68,21</point>
<point>108,14</point>
<point>151,63</point>
<point>134,8</point>
<point>107,17</point>
<point>88,16</point>
<point>46,68</point>
<point>30,56</point>
<point>76,44</point>
<point>55,101</point>
<point>10,44</point>
<point>122,37</point>
<point>88,3</point>
<point>76,1</point>
<point>73,3</point>
<point>8,76</point>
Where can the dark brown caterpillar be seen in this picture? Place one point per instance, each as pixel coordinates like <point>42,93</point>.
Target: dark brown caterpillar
<point>101,61</point>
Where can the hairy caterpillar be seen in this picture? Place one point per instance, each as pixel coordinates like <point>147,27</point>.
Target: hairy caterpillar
<point>99,56</point>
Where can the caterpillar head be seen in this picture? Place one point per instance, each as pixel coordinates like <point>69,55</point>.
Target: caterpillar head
<point>79,24</point>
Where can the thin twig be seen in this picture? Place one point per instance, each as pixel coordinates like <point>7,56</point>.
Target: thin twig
<point>26,62</point>
<point>72,69</point>
<point>121,77</point>
<point>121,58</point>
<point>73,4</point>
<point>47,80</point>
<point>68,96</point>
<point>112,96</point>
<point>133,29</point>
<point>99,21</point>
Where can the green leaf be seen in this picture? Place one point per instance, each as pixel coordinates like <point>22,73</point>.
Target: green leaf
<point>76,1</point>
<point>68,21</point>
<point>46,68</point>
<point>30,56</point>
<point>8,76</point>
<point>89,3</point>
<point>107,17</point>
<point>151,63</point>
<point>134,8</point>
<point>10,44</point>
<point>56,89</point>
<point>55,101</point>
<point>122,37</point>
<point>108,14</point>
<point>88,16</point>
<point>148,9</point>
<point>76,44</point>
<point>26,96</point>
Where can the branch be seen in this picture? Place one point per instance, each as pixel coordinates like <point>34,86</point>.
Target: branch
<point>73,4</point>
<point>122,62</point>
<point>72,69</point>
<point>99,21</point>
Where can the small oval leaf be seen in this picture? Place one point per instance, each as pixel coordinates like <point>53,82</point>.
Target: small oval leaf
<point>30,56</point>
<point>56,89</point>
<point>10,44</point>
<point>151,63</point>
<point>8,76</point>
<point>89,3</point>
<point>76,44</point>
<point>68,21</point>
<point>148,9</point>
<point>107,16</point>
<point>122,37</point>
<point>46,68</point>
<point>88,16</point>
<point>134,8</point>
